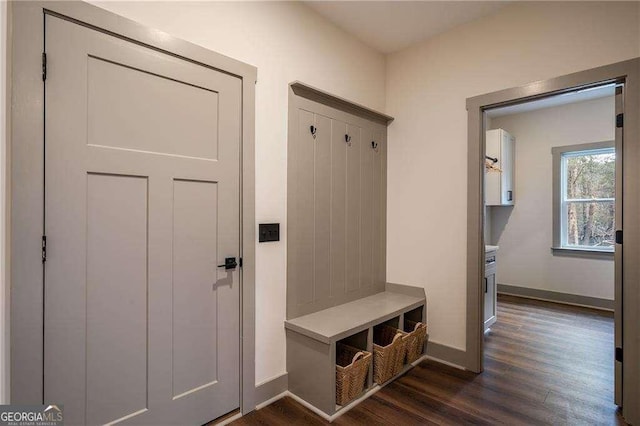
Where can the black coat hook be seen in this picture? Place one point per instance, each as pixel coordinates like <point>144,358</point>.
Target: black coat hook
<point>347,139</point>
<point>493,160</point>
<point>374,145</point>
<point>313,129</point>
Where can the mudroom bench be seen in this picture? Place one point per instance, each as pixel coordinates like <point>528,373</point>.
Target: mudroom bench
<point>312,341</point>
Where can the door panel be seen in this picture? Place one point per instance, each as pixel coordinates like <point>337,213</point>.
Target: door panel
<point>142,204</point>
<point>116,297</point>
<point>194,314</point>
<point>182,112</point>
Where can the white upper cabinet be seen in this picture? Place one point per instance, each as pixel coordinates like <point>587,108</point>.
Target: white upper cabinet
<point>499,179</point>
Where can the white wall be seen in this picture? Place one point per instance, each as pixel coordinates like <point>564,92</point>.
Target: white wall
<point>286,41</point>
<point>524,232</point>
<point>427,86</point>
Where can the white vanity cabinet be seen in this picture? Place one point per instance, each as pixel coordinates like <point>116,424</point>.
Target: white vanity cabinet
<point>499,180</point>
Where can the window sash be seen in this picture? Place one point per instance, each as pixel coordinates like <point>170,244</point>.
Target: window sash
<point>564,226</point>
<point>585,152</point>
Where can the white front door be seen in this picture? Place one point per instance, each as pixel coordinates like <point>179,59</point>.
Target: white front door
<point>141,206</point>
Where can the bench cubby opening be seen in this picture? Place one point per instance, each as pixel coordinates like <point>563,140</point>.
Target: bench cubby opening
<point>358,340</point>
<point>415,315</point>
<point>391,322</point>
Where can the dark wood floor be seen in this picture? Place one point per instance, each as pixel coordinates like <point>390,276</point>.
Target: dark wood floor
<point>544,364</point>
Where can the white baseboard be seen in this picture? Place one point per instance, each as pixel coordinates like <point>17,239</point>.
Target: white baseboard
<point>272,400</point>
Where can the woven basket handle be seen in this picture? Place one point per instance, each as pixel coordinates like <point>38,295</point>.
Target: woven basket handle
<point>396,337</point>
<point>357,357</point>
<point>418,325</point>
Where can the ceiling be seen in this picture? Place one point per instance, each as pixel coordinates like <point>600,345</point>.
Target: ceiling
<point>557,100</point>
<point>389,26</point>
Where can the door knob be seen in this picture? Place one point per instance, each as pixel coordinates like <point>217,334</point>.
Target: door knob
<point>229,263</point>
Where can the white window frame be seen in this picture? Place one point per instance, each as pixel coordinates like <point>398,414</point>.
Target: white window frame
<point>560,202</point>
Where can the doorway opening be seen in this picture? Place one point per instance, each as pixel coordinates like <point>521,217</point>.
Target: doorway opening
<point>550,221</point>
<point>626,77</point>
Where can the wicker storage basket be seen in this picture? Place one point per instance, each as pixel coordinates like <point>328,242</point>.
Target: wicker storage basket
<point>352,369</point>
<point>388,352</point>
<point>415,339</point>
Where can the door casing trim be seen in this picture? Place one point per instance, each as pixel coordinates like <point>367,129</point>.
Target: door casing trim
<point>25,208</point>
<point>629,72</point>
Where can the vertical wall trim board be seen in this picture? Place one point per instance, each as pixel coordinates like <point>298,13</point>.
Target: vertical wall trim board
<point>6,225</point>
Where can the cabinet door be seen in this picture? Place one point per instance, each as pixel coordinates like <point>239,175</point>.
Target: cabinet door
<point>508,163</point>
<point>499,181</point>
<point>493,178</point>
<point>489,298</point>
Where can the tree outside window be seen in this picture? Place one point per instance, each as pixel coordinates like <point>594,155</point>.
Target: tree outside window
<point>590,198</point>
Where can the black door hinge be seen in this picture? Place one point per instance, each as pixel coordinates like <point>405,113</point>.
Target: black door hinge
<point>240,262</point>
<point>619,120</point>
<point>44,66</point>
<point>619,354</point>
<point>619,236</point>
<point>44,248</point>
